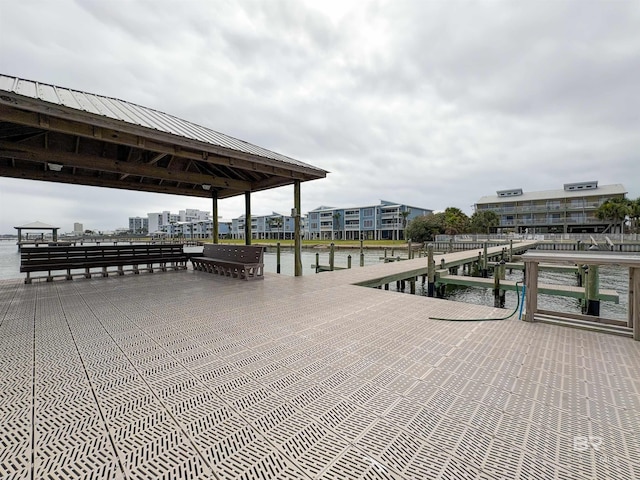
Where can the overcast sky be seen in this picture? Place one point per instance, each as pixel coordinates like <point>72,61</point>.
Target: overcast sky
<point>432,104</point>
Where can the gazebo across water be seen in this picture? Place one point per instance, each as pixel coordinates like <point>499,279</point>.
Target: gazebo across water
<point>38,227</point>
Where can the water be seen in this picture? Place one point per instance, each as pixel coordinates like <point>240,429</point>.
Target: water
<point>611,277</point>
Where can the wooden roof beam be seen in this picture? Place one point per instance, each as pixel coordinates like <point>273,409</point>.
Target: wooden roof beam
<point>155,141</point>
<point>91,162</point>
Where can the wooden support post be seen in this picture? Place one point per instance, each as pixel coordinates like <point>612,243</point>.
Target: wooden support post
<point>247,218</point>
<point>631,298</point>
<point>386,286</point>
<point>431,272</point>
<point>511,250</point>
<point>317,262</point>
<point>278,257</point>
<point>531,282</point>
<point>412,285</point>
<point>635,301</point>
<point>348,261</point>
<point>331,255</point>
<point>362,254</point>
<point>496,285</point>
<point>592,306</point>
<point>297,233</point>
<point>214,217</point>
<point>485,262</point>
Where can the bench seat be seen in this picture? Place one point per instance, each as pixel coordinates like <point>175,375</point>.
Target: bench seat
<point>245,262</point>
<point>69,258</point>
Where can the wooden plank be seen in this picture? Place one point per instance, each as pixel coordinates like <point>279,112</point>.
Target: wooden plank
<point>556,290</point>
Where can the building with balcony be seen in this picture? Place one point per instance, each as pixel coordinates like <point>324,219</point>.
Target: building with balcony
<point>384,221</point>
<point>138,225</point>
<point>570,210</point>
<point>274,226</point>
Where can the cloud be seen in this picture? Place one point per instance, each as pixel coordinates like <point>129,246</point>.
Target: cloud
<point>433,104</point>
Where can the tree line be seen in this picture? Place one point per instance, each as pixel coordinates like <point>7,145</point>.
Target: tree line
<point>453,221</point>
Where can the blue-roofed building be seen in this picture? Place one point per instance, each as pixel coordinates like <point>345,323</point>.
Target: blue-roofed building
<point>384,221</point>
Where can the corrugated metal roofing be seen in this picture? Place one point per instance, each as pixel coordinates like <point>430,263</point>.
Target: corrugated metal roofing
<point>615,189</point>
<point>135,114</point>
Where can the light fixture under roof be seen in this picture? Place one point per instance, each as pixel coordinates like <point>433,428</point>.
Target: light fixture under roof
<point>54,167</point>
<point>206,186</point>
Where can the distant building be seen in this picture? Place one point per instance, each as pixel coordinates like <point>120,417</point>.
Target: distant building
<point>161,221</point>
<point>138,225</point>
<point>383,221</point>
<point>78,229</point>
<point>276,226</point>
<point>570,210</point>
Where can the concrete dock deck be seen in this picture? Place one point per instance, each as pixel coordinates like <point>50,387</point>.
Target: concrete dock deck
<point>188,375</point>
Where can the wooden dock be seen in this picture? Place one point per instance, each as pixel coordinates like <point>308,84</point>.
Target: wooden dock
<point>555,290</point>
<point>188,375</point>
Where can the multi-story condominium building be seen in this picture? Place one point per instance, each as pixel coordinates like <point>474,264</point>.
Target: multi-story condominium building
<point>158,219</point>
<point>570,210</point>
<point>273,226</point>
<point>138,225</point>
<point>384,221</point>
<point>78,229</point>
<point>196,229</point>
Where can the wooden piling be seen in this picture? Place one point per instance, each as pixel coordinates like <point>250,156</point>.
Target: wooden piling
<point>331,256</point>
<point>278,258</point>
<point>317,262</point>
<point>592,303</point>
<point>431,272</point>
<point>349,261</point>
<point>485,262</point>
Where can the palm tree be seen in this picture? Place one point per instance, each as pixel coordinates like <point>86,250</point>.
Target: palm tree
<point>276,223</point>
<point>614,210</point>
<point>483,221</point>
<point>405,214</point>
<point>336,221</point>
<point>634,215</point>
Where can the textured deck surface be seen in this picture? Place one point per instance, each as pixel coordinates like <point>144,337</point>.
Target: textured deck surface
<point>191,375</point>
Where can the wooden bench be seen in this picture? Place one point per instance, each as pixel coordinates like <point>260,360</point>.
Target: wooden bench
<point>239,261</point>
<point>60,261</point>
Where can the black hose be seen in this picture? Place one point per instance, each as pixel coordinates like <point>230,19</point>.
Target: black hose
<point>484,319</point>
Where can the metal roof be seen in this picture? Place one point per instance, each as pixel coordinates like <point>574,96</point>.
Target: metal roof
<point>37,226</point>
<point>133,114</point>
<point>57,134</point>
<point>602,190</point>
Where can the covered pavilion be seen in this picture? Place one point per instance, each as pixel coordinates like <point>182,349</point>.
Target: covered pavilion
<point>57,134</point>
<point>39,227</point>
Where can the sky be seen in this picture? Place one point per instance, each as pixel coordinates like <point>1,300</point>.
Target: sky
<point>427,103</point>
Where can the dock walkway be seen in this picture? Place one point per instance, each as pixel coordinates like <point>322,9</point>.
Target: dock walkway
<point>188,375</point>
